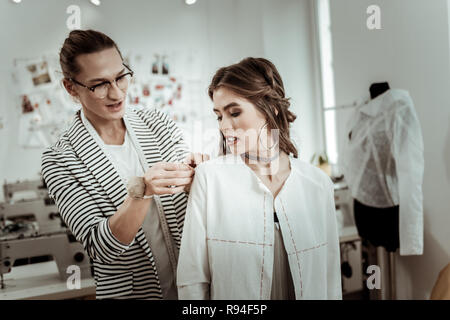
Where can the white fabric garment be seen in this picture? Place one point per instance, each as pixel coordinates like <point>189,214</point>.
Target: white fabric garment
<point>126,161</point>
<point>383,162</point>
<point>227,247</point>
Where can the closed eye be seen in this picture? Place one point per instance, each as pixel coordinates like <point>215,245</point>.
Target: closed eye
<point>99,85</point>
<point>122,76</point>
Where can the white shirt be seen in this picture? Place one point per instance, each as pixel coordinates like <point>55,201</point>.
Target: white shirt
<point>228,235</point>
<point>126,161</point>
<point>383,162</point>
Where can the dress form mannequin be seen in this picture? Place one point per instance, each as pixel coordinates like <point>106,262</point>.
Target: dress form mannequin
<point>379,226</point>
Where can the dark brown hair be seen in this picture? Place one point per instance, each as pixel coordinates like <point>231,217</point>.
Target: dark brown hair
<point>82,42</point>
<point>258,81</point>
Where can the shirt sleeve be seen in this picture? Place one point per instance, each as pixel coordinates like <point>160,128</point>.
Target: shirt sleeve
<point>193,274</point>
<point>409,160</point>
<point>79,210</point>
<point>334,286</point>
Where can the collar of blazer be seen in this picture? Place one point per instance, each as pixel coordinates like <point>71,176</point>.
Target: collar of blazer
<point>149,134</point>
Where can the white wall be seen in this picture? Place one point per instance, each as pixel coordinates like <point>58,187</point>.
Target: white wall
<point>411,52</point>
<point>288,42</point>
<point>223,32</point>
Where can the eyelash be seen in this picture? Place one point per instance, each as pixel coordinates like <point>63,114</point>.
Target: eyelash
<point>234,115</point>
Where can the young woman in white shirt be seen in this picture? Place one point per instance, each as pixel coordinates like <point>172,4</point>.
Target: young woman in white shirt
<point>260,223</point>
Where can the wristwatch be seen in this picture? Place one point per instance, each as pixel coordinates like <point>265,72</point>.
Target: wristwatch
<point>136,188</point>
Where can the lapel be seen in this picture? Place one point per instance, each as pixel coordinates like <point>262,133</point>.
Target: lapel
<point>91,154</point>
<point>150,139</point>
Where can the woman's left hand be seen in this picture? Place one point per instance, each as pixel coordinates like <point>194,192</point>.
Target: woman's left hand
<point>194,159</point>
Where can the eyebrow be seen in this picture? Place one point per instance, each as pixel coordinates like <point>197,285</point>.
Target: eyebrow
<point>232,104</point>
<point>103,79</point>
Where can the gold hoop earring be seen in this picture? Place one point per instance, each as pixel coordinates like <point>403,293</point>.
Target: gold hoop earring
<point>259,139</point>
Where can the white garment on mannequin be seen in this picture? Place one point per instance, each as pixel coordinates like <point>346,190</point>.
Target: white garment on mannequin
<point>383,162</point>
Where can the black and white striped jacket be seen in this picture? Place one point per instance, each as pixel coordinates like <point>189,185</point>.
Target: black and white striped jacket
<point>88,190</point>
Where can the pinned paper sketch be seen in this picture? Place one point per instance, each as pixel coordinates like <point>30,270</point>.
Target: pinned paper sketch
<point>45,109</point>
<point>30,135</point>
<point>27,107</point>
<point>155,64</point>
<point>33,75</point>
<point>165,65</point>
<point>39,73</point>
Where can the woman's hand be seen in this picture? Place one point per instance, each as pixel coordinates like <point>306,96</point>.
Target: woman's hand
<point>193,159</point>
<point>167,178</point>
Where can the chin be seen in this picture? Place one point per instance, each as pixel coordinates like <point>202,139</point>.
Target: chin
<point>237,150</point>
<point>117,115</point>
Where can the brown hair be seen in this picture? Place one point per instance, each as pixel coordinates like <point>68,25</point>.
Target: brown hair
<point>258,81</point>
<point>82,42</point>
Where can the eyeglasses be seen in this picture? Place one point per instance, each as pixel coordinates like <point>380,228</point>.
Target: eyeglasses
<point>100,90</point>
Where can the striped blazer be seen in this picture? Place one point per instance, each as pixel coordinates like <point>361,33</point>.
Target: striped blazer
<point>88,190</point>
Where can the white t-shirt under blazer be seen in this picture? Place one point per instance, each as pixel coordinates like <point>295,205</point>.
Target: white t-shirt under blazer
<point>228,236</point>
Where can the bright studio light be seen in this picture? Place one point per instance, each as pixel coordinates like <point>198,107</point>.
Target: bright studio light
<point>189,2</point>
<point>16,1</point>
<point>95,2</point>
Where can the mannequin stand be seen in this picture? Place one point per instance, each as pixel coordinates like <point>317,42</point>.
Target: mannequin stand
<point>392,278</point>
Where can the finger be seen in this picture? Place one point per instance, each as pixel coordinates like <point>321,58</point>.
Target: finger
<point>170,190</point>
<point>205,157</point>
<point>174,174</point>
<point>171,166</point>
<point>173,182</point>
<point>188,159</point>
<point>198,158</point>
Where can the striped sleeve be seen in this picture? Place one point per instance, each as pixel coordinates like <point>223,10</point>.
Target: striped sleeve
<point>78,209</point>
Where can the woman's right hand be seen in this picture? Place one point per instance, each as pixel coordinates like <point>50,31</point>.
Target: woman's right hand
<point>167,178</point>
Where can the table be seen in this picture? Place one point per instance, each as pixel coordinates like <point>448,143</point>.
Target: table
<point>41,281</point>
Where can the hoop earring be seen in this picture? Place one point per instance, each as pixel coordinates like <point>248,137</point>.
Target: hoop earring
<point>259,139</point>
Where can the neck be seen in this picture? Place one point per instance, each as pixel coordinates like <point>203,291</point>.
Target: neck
<point>271,168</point>
<point>261,159</point>
<point>111,131</point>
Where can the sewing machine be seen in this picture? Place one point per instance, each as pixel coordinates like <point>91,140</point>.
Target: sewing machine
<point>31,231</point>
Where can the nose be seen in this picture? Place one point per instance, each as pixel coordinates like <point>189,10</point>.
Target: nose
<point>114,92</point>
<point>226,125</point>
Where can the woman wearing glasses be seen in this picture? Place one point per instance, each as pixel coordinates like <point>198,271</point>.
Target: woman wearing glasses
<point>133,241</point>
<point>260,223</point>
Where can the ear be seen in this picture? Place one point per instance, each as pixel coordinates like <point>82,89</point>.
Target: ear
<point>69,86</point>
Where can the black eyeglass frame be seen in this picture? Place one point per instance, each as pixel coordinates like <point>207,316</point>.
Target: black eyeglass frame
<point>130,72</point>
